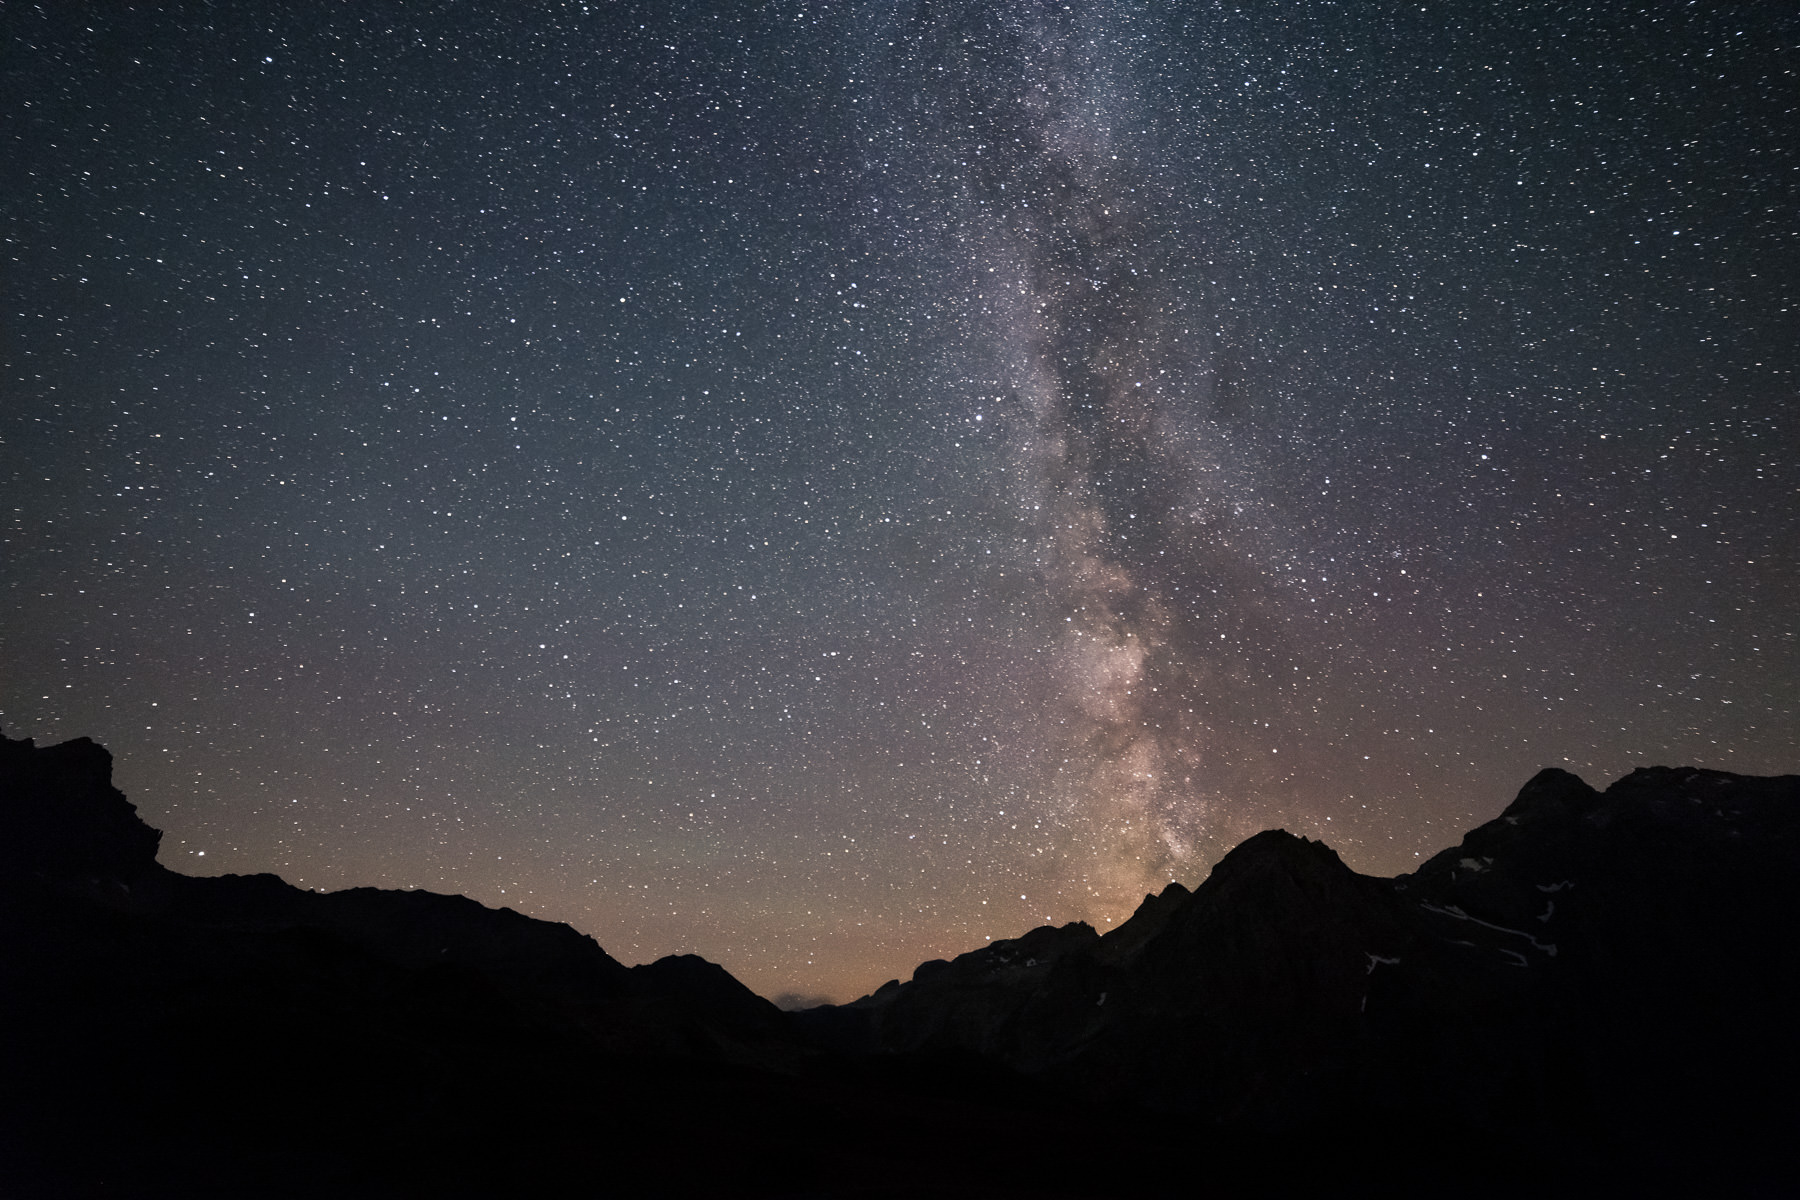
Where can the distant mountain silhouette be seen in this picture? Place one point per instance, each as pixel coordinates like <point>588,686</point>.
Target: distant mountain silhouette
<point>1594,990</point>
<point>1600,973</point>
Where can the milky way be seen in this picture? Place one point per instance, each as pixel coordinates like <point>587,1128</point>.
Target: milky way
<point>822,487</point>
<point>1112,372</point>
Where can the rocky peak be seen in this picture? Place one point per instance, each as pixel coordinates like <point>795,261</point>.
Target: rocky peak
<point>61,819</point>
<point>1151,917</point>
<point>1274,867</point>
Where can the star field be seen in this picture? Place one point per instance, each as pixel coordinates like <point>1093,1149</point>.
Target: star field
<point>818,486</point>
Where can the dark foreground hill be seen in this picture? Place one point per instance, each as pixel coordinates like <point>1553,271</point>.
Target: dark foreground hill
<point>1595,991</point>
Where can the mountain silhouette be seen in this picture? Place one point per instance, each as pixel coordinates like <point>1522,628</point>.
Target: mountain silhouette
<point>1598,972</point>
<point>1594,990</point>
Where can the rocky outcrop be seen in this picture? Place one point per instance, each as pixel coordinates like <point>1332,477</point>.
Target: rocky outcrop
<point>62,821</point>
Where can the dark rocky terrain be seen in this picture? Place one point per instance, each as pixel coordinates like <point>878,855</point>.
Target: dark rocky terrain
<point>1600,977</point>
<point>1595,991</point>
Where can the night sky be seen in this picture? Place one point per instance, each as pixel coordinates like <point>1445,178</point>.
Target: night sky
<point>823,485</point>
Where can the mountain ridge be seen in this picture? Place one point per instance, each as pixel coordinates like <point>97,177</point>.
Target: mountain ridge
<point>1601,980</point>
<point>1543,952</point>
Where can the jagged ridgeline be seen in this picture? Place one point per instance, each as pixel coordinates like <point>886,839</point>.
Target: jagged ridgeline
<point>1594,990</point>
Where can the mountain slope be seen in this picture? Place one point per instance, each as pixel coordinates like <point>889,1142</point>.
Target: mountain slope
<point>1605,973</point>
